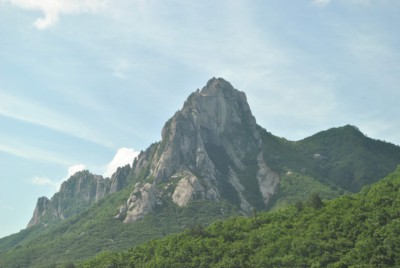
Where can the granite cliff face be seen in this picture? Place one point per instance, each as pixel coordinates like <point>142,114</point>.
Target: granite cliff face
<point>211,149</point>
<point>119,180</point>
<point>76,194</point>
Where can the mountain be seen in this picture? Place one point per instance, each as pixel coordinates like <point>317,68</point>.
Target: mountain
<point>331,162</point>
<point>213,162</point>
<point>355,230</point>
<point>76,194</point>
<point>212,150</point>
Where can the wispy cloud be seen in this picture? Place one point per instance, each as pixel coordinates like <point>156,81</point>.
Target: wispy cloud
<point>44,181</point>
<point>28,111</point>
<point>6,207</point>
<point>123,157</point>
<point>373,52</point>
<point>121,68</point>
<point>53,9</point>
<point>252,58</point>
<point>321,2</point>
<point>364,3</point>
<point>32,153</point>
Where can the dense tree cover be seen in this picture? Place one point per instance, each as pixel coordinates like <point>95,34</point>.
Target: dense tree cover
<point>342,158</point>
<point>95,230</point>
<point>330,163</point>
<point>353,230</point>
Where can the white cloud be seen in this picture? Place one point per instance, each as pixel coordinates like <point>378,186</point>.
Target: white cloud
<point>52,9</point>
<point>74,169</point>
<point>123,157</point>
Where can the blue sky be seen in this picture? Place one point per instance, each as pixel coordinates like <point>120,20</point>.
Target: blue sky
<point>83,83</point>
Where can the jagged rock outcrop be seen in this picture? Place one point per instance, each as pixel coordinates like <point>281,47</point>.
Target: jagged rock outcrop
<point>119,180</point>
<point>141,201</point>
<point>211,149</point>
<point>41,208</point>
<point>75,194</point>
<point>84,186</point>
<point>189,187</point>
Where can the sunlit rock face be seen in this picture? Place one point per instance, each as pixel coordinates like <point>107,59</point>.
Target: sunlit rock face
<point>142,201</point>
<point>211,149</point>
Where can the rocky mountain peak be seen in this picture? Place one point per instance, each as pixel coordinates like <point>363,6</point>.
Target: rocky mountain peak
<point>211,149</point>
<point>219,86</point>
<point>218,115</point>
<point>77,193</point>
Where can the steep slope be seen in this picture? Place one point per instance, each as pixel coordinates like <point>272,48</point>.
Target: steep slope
<point>76,194</point>
<point>95,230</point>
<point>359,230</point>
<point>211,150</point>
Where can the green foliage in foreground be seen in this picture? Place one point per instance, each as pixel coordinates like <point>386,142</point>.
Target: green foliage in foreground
<point>353,230</point>
<point>95,230</point>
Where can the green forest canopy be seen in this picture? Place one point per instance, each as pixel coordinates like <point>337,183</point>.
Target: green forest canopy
<point>353,230</point>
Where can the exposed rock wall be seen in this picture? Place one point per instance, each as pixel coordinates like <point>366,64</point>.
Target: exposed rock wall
<point>207,145</point>
<point>211,149</point>
<point>142,200</point>
<point>119,180</point>
<point>75,194</point>
<point>41,209</point>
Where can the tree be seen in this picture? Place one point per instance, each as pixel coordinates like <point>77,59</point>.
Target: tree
<point>315,201</point>
<point>299,206</point>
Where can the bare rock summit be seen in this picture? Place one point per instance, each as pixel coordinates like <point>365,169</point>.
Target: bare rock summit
<point>211,149</point>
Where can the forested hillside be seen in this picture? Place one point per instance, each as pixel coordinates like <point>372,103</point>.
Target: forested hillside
<point>353,230</point>
<point>317,164</point>
<point>331,163</point>
<point>212,163</point>
<point>94,231</point>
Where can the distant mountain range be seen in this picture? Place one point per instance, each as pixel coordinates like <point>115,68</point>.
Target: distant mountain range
<point>213,162</point>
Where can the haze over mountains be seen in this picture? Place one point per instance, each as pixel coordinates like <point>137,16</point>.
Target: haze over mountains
<point>213,162</point>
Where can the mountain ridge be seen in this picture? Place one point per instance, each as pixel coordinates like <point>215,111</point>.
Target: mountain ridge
<point>76,194</point>
<point>355,230</point>
<point>212,162</point>
<point>215,123</point>
<point>194,140</point>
